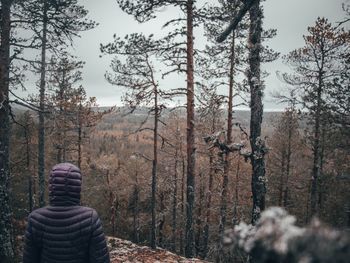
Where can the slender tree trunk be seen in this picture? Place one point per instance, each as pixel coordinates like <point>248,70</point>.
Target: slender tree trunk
<point>30,181</point>
<point>321,183</point>
<point>208,206</point>
<point>174,212</point>
<point>182,239</point>
<point>289,155</point>
<point>191,158</point>
<point>154,169</point>
<point>236,201</point>
<point>256,108</point>
<point>223,204</point>
<point>136,210</point>
<point>199,247</point>
<point>161,220</point>
<point>60,124</point>
<point>316,150</point>
<point>41,139</point>
<point>283,170</point>
<point>6,228</point>
<point>209,196</point>
<point>80,130</point>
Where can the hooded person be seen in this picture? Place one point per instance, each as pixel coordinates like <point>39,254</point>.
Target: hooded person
<point>64,231</point>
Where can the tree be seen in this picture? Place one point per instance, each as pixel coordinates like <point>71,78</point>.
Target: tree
<point>72,112</point>
<point>210,120</point>
<point>257,54</point>
<point>22,156</point>
<point>285,143</point>
<point>65,74</point>
<point>224,71</point>
<point>143,11</point>
<point>53,25</point>
<point>173,155</point>
<point>317,67</point>
<point>6,238</point>
<point>258,148</point>
<point>139,76</point>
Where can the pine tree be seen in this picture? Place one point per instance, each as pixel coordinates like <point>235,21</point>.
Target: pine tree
<point>143,11</point>
<point>317,67</point>
<point>139,76</point>
<point>53,24</point>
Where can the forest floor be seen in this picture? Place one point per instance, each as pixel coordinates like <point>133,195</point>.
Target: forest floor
<point>124,251</point>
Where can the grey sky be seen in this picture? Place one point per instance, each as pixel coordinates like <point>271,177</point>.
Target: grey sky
<point>290,17</point>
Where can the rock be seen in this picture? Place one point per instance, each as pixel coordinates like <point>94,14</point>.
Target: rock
<point>123,251</point>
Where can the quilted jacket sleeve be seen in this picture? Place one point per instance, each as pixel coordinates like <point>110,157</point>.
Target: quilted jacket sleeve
<point>98,251</point>
<point>31,251</point>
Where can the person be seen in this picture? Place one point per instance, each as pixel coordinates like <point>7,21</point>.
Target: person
<point>64,231</point>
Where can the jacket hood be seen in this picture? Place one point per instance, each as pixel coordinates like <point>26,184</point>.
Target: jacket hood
<point>65,185</point>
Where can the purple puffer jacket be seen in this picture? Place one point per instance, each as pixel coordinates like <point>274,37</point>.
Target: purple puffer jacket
<point>64,231</point>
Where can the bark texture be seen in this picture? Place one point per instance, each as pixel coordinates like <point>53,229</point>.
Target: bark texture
<point>316,168</point>
<point>174,204</point>
<point>189,248</point>
<point>256,108</point>
<point>154,168</point>
<point>223,206</point>
<point>6,229</point>
<point>41,133</point>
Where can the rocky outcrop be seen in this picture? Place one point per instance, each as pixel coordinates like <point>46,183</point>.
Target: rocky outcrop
<point>123,251</point>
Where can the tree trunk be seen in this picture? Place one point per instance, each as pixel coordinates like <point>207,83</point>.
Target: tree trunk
<point>161,221</point>
<point>209,196</point>
<point>289,155</point>
<point>136,210</point>
<point>6,228</point>
<point>316,150</point>
<point>191,158</point>
<point>283,170</point>
<point>30,180</point>
<point>199,247</point>
<point>60,124</point>
<point>41,134</point>
<point>182,204</point>
<point>80,130</point>
<point>235,220</point>
<point>256,108</point>
<point>174,212</point>
<point>321,183</point>
<point>208,206</point>
<point>154,169</point>
<point>223,205</point>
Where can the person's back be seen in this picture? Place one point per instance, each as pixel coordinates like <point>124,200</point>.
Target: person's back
<point>64,231</point>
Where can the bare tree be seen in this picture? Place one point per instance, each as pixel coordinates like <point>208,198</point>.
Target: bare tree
<point>143,11</point>
<point>139,76</point>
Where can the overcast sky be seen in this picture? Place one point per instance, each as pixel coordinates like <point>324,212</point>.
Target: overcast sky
<point>290,17</point>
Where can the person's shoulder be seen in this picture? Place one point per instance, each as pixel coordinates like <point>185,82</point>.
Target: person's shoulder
<point>38,216</point>
<point>93,213</point>
<point>89,210</point>
<point>37,212</point>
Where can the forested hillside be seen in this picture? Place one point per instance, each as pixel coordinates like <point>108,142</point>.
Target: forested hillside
<point>187,149</point>
<point>116,163</point>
